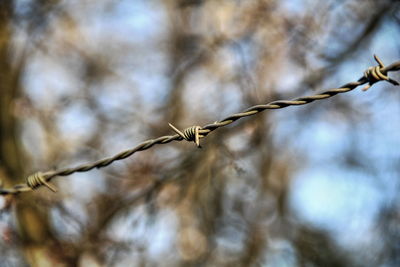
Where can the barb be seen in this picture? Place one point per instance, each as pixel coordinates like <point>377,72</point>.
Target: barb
<point>376,74</point>
<point>194,133</point>
<point>36,180</point>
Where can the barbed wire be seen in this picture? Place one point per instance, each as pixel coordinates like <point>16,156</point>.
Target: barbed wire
<point>195,133</point>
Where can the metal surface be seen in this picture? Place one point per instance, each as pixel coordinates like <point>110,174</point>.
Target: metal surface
<point>194,133</point>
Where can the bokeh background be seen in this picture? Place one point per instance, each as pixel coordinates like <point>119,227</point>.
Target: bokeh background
<point>315,185</point>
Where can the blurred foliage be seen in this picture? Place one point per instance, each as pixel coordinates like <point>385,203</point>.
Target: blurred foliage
<point>85,79</point>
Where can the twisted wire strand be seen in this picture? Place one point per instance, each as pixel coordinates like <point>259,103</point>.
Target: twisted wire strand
<point>194,133</point>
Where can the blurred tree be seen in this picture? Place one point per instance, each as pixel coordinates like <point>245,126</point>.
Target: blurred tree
<point>34,228</point>
<point>81,80</point>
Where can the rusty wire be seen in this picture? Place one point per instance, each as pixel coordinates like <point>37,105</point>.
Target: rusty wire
<point>194,133</point>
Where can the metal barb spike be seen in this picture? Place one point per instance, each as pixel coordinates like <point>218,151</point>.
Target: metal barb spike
<point>375,74</point>
<point>189,134</point>
<point>36,180</point>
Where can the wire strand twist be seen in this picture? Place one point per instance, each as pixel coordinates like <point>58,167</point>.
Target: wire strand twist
<point>194,133</point>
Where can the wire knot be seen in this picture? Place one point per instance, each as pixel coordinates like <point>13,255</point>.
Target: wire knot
<point>36,180</point>
<point>375,74</point>
<point>189,134</point>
